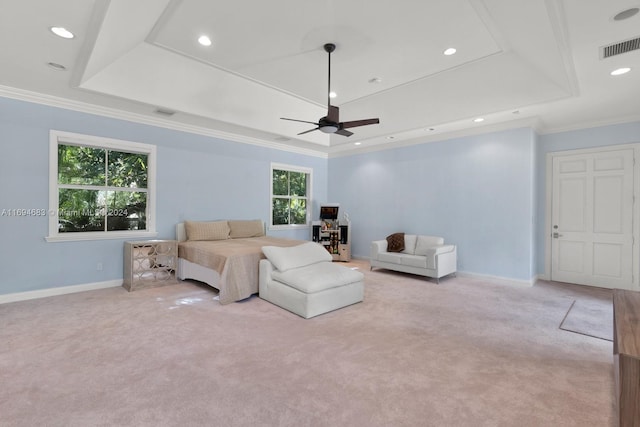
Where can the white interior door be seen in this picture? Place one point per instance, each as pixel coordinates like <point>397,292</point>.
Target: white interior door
<point>592,219</point>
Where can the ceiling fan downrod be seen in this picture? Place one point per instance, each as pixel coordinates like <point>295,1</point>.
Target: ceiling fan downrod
<point>329,47</point>
<point>331,122</point>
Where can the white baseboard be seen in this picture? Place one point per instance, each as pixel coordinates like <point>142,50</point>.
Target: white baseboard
<point>506,280</point>
<point>23,296</point>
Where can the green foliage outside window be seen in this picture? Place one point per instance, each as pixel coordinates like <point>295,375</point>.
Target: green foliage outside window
<point>289,203</point>
<point>101,189</point>
<point>81,165</point>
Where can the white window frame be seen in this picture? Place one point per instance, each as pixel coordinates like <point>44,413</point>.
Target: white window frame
<point>59,137</point>
<point>290,168</point>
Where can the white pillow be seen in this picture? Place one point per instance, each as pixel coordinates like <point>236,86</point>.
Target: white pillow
<point>409,244</point>
<point>425,242</point>
<point>296,256</point>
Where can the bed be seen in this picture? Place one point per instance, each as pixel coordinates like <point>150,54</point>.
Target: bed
<point>224,255</point>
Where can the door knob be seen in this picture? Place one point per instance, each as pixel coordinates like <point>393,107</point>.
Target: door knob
<point>556,235</point>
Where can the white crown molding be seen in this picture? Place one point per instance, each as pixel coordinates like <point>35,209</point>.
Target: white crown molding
<point>83,107</point>
<point>532,123</point>
<point>114,113</point>
<point>590,125</point>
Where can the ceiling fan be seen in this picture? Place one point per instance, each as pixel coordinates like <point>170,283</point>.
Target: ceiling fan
<point>331,122</point>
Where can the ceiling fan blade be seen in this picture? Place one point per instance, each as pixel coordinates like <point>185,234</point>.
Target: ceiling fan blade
<point>343,132</point>
<point>301,121</point>
<point>331,122</point>
<point>356,123</point>
<point>333,114</point>
<point>307,131</point>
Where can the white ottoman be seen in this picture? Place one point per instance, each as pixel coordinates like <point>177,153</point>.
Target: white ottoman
<point>304,280</point>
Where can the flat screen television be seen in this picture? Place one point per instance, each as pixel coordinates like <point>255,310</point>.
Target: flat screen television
<point>329,212</point>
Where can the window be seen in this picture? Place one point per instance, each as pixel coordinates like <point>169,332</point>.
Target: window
<point>290,196</point>
<point>100,188</point>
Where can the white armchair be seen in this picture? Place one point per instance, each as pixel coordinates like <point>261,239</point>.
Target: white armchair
<point>304,280</point>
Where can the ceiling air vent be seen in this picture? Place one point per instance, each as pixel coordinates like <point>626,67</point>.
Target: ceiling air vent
<point>164,112</point>
<point>621,47</point>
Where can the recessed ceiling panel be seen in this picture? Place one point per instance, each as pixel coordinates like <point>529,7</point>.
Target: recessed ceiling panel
<point>158,77</point>
<point>397,42</point>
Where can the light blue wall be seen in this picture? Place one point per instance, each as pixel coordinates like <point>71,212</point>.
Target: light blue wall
<point>198,178</point>
<point>477,192</point>
<point>627,133</point>
<point>484,193</point>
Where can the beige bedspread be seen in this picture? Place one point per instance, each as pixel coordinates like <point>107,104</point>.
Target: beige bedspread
<point>236,260</point>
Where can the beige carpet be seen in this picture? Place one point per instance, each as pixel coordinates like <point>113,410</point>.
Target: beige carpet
<point>590,316</point>
<point>467,352</point>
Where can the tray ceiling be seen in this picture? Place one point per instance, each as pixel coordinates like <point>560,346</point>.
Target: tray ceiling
<point>518,63</point>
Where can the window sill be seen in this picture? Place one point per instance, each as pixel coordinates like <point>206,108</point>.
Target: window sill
<point>288,227</point>
<point>101,235</point>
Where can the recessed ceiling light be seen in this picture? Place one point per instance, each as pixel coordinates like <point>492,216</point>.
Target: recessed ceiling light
<point>391,137</point>
<point>357,143</point>
<point>204,40</point>
<point>626,14</point>
<point>375,80</point>
<point>478,120</point>
<point>431,129</point>
<point>62,32</point>
<point>515,112</point>
<point>450,51</point>
<point>56,66</point>
<point>332,94</point>
<point>620,71</point>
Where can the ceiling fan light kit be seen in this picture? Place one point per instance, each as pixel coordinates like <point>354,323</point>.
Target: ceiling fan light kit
<point>328,128</point>
<point>331,122</point>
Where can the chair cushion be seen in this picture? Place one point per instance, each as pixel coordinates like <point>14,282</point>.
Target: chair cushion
<point>419,261</point>
<point>291,257</point>
<point>425,242</point>
<point>395,242</point>
<point>390,257</point>
<point>318,277</point>
<point>410,244</point>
